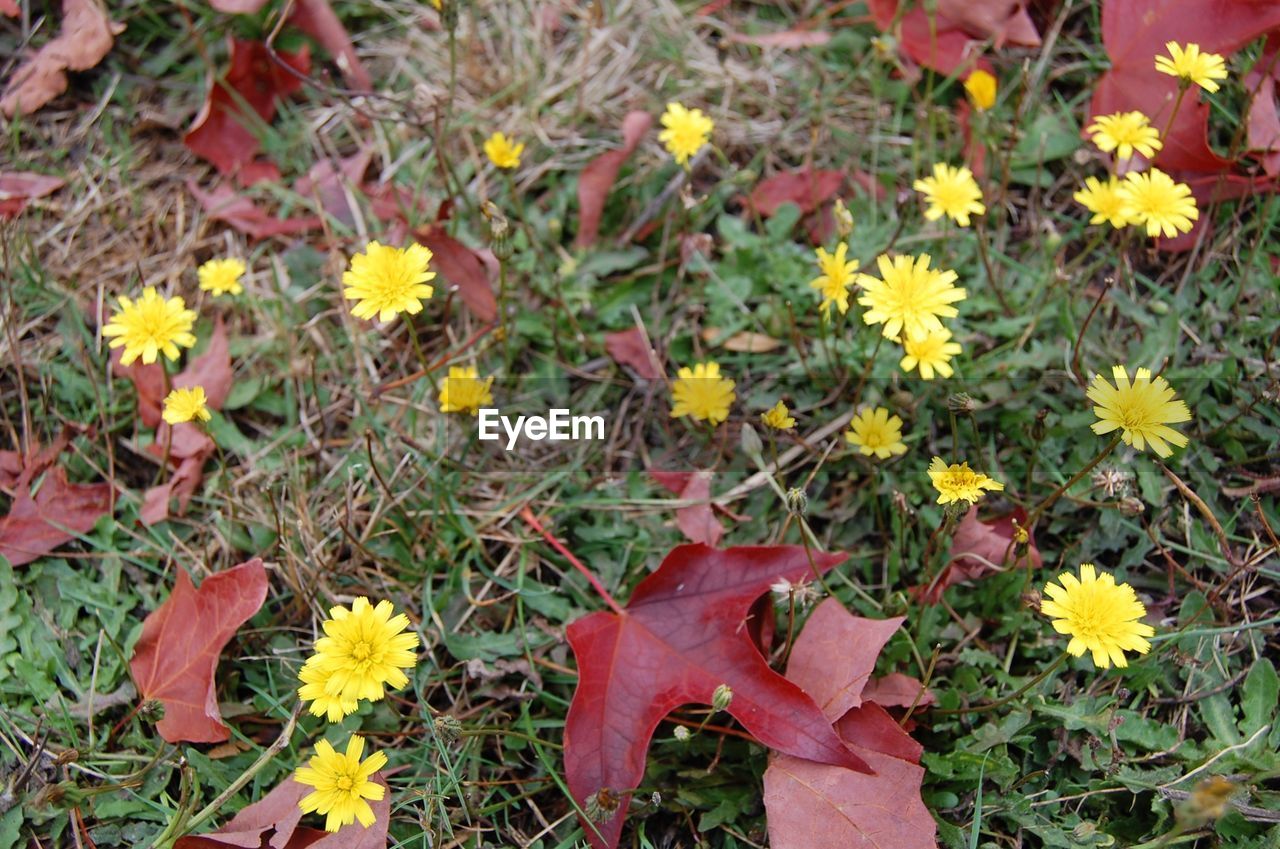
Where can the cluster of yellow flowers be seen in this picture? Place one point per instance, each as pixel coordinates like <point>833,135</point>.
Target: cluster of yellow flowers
<point>154,325</point>
<point>364,651</point>
<point>1150,199</point>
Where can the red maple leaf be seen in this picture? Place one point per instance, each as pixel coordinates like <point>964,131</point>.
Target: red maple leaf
<point>683,635</point>
<point>44,517</point>
<point>818,804</point>
<point>597,179</point>
<point>273,821</point>
<point>177,655</point>
<point>460,266</point>
<point>697,522</point>
<point>979,549</point>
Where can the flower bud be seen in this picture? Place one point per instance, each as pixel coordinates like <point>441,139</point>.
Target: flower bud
<point>843,218</point>
<point>682,734</point>
<point>797,501</point>
<point>750,442</point>
<point>722,697</point>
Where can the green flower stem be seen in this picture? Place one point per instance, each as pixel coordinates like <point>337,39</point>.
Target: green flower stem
<point>980,232</point>
<point>1057,493</point>
<point>1004,700</point>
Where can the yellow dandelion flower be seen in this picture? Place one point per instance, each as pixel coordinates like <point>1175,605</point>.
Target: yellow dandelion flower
<point>1125,132</point>
<point>958,482</point>
<point>221,276</point>
<point>150,326</point>
<point>464,392</point>
<point>981,87</point>
<point>874,431</point>
<point>343,784</point>
<point>778,417</point>
<point>1152,199</point>
<point>1188,63</point>
<point>702,394</point>
<point>502,151</point>
<point>386,281</point>
<point>1105,201</point>
<point>836,278</point>
<point>364,650</point>
<point>314,681</point>
<point>1141,410</point>
<point>930,353</point>
<point>951,192</point>
<point>1101,616</point>
<point>184,405</point>
<point>686,131</point>
<point>911,297</point>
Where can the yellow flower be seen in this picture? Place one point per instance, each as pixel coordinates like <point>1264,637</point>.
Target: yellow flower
<point>836,278</point>
<point>687,130</point>
<point>911,297</point>
<point>1153,199</point>
<point>702,394</point>
<point>502,151</point>
<point>952,192</point>
<point>1104,200</point>
<point>183,405</point>
<point>386,281</point>
<point>463,391</point>
<point>221,276</point>
<point>1101,616</point>
<point>930,353</point>
<point>314,681</point>
<point>1125,132</point>
<point>981,87</point>
<point>342,784</point>
<point>363,649</point>
<point>874,431</point>
<point>778,417</point>
<point>150,326</point>
<point>1142,410</point>
<point>1188,63</point>
<point>958,482</point>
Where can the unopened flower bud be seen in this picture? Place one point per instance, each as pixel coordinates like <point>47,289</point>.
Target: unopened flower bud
<point>962,403</point>
<point>843,218</point>
<point>722,697</point>
<point>1130,506</point>
<point>682,734</point>
<point>1038,427</point>
<point>749,441</point>
<point>151,711</point>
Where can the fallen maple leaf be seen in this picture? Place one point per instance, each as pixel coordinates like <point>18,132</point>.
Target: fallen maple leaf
<point>630,348</point>
<point>697,522</point>
<point>273,822</point>
<point>86,36</point>
<point>19,187</point>
<point>9,8</point>
<point>805,187</point>
<point>681,636</point>
<point>462,267</point>
<point>596,180</point>
<point>897,690</point>
<point>57,513</point>
<point>1264,118</point>
<point>951,39</point>
<point>817,804</point>
<point>317,19</point>
<point>1134,32</point>
<point>219,133</point>
<point>226,204</point>
<point>979,549</point>
<point>334,185</point>
<point>176,657</point>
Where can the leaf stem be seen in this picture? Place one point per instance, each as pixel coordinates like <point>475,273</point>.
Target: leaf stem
<point>532,521</point>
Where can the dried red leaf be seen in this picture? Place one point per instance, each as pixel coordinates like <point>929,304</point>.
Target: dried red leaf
<point>57,513</point>
<point>839,654</point>
<point>805,187</point>
<point>596,180</point>
<point>698,522</point>
<point>897,690</point>
<point>181,485</point>
<point>176,657</point>
<point>86,36</point>
<point>979,549</point>
<point>273,822</point>
<point>790,38</point>
<point>1134,32</point>
<point>630,348</point>
<point>19,187</point>
<point>226,204</point>
<point>816,804</point>
<point>9,8</point>
<point>1264,119</point>
<point>334,184</point>
<point>317,19</point>
<point>219,133</point>
<point>951,40</point>
<point>682,636</point>
<point>460,266</point>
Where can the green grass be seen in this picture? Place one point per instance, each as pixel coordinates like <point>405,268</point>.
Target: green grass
<point>344,490</point>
